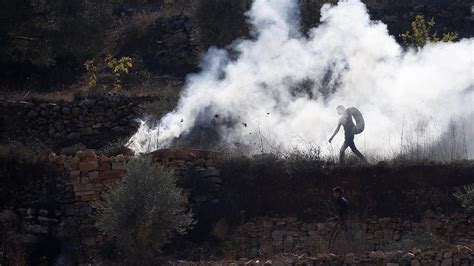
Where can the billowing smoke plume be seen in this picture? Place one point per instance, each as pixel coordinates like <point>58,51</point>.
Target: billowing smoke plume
<point>280,88</point>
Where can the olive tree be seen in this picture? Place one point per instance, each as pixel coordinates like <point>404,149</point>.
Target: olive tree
<point>146,210</point>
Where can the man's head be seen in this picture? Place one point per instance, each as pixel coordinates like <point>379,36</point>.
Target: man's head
<point>341,109</point>
<point>337,192</point>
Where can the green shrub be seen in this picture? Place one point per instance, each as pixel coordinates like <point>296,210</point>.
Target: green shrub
<point>113,71</point>
<point>145,211</point>
<point>421,35</point>
<point>465,196</point>
<point>20,166</point>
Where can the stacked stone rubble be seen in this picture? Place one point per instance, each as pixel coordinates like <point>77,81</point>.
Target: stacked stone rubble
<point>92,120</point>
<point>266,236</point>
<point>87,177</point>
<point>195,172</point>
<point>38,222</point>
<point>453,255</point>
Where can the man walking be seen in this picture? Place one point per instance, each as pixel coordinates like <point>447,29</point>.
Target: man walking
<point>350,129</point>
<point>342,208</point>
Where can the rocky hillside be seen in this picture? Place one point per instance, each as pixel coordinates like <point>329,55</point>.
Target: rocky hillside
<point>164,38</point>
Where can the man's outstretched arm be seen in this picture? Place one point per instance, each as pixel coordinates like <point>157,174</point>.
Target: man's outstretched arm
<point>335,132</point>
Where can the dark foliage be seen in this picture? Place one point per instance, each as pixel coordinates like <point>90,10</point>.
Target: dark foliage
<point>45,43</point>
<point>21,168</point>
<point>221,21</point>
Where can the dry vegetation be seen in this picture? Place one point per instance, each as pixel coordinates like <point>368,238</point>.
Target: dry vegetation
<point>53,76</point>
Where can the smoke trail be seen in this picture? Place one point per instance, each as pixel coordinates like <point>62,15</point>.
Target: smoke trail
<point>281,88</point>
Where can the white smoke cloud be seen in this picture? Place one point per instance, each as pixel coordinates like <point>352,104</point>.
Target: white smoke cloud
<point>403,95</point>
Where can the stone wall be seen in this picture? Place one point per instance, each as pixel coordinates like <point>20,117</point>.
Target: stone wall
<point>88,175</point>
<point>94,121</point>
<point>454,255</point>
<point>267,236</point>
<point>80,179</point>
<point>56,212</point>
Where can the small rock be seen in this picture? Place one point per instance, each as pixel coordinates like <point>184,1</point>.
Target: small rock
<point>376,255</point>
<point>36,228</point>
<point>66,110</point>
<point>416,251</point>
<point>289,240</point>
<point>349,258</point>
<point>76,111</point>
<point>96,126</point>
<point>52,157</point>
<point>32,114</point>
<point>73,178</point>
<point>47,220</point>
<point>30,211</point>
<point>119,165</point>
<point>87,131</point>
<point>87,155</point>
<point>277,235</point>
<point>88,166</point>
<point>73,136</point>
<point>84,188</point>
<point>447,262</point>
<point>447,254</point>
<point>94,175</point>
<point>72,164</point>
